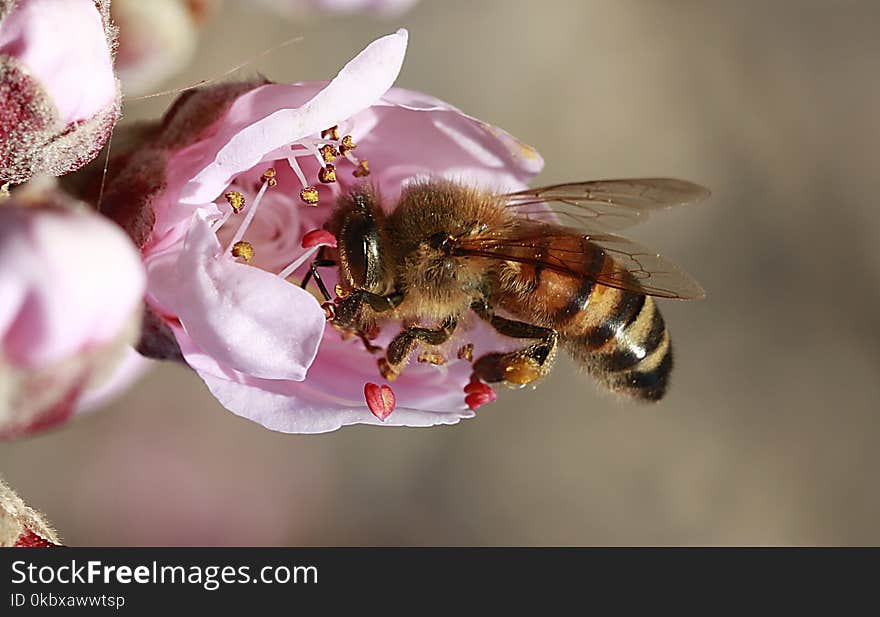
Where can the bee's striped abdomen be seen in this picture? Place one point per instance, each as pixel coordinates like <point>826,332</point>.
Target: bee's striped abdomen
<point>629,349</point>
<point>619,336</point>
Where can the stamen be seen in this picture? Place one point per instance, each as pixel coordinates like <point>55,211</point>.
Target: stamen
<point>298,262</point>
<point>235,200</point>
<point>269,177</point>
<point>294,165</point>
<point>331,133</point>
<point>309,195</point>
<point>347,145</point>
<point>327,175</point>
<point>242,249</point>
<point>313,150</point>
<point>363,169</point>
<point>239,234</point>
<point>466,352</point>
<point>217,223</point>
<point>329,153</point>
<point>380,400</point>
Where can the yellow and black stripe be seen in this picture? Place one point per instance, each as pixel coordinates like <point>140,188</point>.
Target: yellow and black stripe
<point>617,334</point>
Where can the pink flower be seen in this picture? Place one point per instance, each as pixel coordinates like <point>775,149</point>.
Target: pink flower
<point>59,98</point>
<point>254,336</point>
<point>71,285</point>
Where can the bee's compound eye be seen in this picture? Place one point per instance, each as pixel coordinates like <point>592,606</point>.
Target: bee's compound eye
<point>360,245</point>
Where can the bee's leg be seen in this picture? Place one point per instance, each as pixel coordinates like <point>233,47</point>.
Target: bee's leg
<point>522,366</point>
<point>402,345</point>
<point>348,308</point>
<point>313,272</point>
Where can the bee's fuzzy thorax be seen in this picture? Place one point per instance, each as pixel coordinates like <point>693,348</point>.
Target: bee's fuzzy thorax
<point>439,284</point>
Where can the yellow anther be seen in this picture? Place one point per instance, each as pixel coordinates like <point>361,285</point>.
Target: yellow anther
<point>347,145</point>
<point>244,250</point>
<point>329,153</point>
<point>363,169</point>
<point>235,200</point>
<point>327,175</point>
<point>309,195</point>
<point>269,177</point>
<point>331,133</point>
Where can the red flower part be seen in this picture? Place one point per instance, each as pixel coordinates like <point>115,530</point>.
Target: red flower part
<point>478,394</point>
<point>318,237</point>
<point>30,539</point>
<point>380,400</point>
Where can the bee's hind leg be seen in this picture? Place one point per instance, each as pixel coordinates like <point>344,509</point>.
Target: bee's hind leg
<point>401,346</point>
<point>520,367</point>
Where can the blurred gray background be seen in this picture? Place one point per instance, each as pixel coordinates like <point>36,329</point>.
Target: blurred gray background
<point>769,433</point>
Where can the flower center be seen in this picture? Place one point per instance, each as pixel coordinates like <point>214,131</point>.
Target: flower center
<point>263,243</point>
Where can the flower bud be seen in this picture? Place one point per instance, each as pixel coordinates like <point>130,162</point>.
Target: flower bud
<point>71,286</point>
<point>21,525</point>
<point>59,98</point>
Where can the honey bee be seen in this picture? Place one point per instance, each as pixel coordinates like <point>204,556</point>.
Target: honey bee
<point>542,265</point>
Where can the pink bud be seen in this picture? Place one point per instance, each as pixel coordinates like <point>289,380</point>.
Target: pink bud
<point>71,285</point>
<point>60,98</point>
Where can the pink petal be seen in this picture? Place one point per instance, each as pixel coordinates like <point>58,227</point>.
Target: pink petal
<point>327,401</point>
<point>358,85</point>
<point>409,134</point>
<point>244,317</point>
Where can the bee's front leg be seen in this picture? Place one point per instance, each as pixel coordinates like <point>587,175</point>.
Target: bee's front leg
<point>349,307</point>
<point>401,346</point>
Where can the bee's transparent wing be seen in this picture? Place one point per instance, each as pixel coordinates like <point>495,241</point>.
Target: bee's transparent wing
<point>605,205</point>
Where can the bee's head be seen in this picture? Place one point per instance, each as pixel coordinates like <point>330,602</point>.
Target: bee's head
<point>357,224</point>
